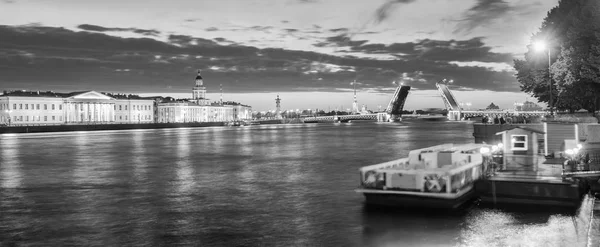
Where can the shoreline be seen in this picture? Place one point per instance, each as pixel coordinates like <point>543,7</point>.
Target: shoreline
<point>128,126</point>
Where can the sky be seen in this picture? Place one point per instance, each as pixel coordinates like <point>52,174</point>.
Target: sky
<point>306,51</point>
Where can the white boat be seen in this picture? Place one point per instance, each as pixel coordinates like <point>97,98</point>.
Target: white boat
<point>441,176</point>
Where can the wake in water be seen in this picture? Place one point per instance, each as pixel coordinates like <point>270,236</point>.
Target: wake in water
<point>498,228</point>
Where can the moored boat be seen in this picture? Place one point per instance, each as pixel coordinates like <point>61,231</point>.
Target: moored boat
<point>441,176</point>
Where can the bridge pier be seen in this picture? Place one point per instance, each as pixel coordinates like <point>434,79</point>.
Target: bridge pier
<point>454,115</point>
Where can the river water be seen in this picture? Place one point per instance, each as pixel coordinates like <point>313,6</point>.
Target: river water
<point>270,185</point>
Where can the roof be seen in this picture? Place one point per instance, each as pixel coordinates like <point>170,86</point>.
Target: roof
<point>523,128</point>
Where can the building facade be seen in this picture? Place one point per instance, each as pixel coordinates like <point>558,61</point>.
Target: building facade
<point>197,109</point>
<point>239,111</point>
<point>49,108</point>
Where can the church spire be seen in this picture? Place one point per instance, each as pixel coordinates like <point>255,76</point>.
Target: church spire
<point>199,81</point>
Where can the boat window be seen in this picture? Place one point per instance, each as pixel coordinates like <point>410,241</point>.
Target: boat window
<point>518,142</point>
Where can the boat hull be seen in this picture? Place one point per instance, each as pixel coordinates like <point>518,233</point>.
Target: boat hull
<point>419,201</point>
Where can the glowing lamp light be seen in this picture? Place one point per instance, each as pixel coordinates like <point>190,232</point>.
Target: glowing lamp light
<point>494,148</point>
<point>575,150</point>
<point>539,46</point>
<point>484,150</point>
<point>569,152</point>
<point>500,145</point>
<point>579,146</point>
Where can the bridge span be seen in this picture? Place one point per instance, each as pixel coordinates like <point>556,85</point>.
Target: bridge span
<point>392,112</point>
<point>456,113</point>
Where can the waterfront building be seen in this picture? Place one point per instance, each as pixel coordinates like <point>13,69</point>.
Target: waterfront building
<point>198,108</point>
<point>527,106</point>
<point>89,107</point>
<point>239,111</point>
<point>31,108</point>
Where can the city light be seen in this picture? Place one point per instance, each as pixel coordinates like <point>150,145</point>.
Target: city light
<point>539,46</point>
<point>484,150</point>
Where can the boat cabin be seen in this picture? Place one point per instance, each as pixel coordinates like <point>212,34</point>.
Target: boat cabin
<point>440,169</point>
<point>520,140</point>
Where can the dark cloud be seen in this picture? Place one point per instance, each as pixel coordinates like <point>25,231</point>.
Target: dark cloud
<point>341,41</point>
<point>339,29</point>
<point>96,28</point>
<point>224,40</point>
<point>485,12</point>
<point>383,12</point>
<point>261,28</point>
<point>211,29</point>
<point>291,30</point>
<point>49,58</point>
<point>436,50</point>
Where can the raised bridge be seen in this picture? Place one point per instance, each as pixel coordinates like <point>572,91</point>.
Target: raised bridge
<point>392,112</point>
<point>455,112</point>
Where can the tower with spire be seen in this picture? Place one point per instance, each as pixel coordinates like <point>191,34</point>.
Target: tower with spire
<point>278,107</point>
<point>199,91</point>
<point>355,103</point>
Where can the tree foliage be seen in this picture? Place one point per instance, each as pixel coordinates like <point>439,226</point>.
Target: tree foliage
<point>572,33</point>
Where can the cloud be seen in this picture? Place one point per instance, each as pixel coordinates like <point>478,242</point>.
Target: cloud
<point>473,49</point>
<point>9,1</point>
<point>486,12</point>
<point>383,12</point>
<point>96,28</point>
<point>66,60</point>
<point>211,29</point>
<point>339,30</point>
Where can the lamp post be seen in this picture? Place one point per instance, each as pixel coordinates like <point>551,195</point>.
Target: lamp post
<point>541,46</point>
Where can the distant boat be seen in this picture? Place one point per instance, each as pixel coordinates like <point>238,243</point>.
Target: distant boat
<point>441,176</point>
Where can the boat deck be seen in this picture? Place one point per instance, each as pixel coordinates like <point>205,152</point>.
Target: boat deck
<point>522,179</point>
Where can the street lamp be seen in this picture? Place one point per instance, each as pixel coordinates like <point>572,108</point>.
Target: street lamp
<point>539,47</point>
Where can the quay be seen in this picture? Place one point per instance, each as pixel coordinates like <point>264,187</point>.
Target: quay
<point>98,127</point>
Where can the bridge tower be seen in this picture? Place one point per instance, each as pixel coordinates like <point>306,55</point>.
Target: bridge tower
<point>355,109</point>
<point>278,107</point>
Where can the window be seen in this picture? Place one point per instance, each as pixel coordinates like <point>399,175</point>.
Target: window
<point>38,106</point>
<point>53,118</point>
<point>45,107</point>
<point>126,108</point>
<point>518,142</point>
<point>125,117</point>
<point>60,118</point>
<point>52,106</point>
<point>26,106</point>
<point>45,118</point>
<point>20,106</point>
<point>14,106</point>
<point>120,108</point>
<point>27,118</point>
<point>60,106</point>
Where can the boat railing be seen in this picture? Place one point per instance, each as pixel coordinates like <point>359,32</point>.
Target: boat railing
<point>450,178</point>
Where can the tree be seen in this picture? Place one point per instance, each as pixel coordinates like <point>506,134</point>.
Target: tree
<point>572,32</point>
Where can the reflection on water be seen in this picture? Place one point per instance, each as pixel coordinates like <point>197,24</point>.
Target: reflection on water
<point>270,185</point>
